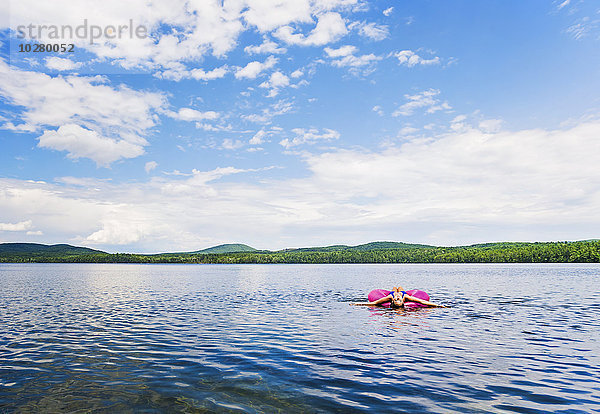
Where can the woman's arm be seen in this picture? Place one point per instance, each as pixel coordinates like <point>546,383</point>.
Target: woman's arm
<point>422,301</point>
<point>377,302</point>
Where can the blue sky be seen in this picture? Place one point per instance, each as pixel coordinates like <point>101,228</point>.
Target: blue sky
<point>306,122</point>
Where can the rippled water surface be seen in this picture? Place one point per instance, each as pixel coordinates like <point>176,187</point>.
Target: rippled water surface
<point>283,338</point>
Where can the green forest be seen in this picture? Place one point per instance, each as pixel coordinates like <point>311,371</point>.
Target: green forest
<point>380,252</point>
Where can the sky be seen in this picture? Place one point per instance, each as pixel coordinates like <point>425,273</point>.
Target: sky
<point>299,122</point>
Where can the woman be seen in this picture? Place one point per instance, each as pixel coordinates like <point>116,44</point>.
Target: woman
<point>398,297</point>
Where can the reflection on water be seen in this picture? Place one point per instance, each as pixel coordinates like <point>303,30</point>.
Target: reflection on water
<point>181,338</point>
<point>402,318</point>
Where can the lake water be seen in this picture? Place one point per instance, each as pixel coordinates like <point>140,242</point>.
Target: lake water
<point>283,338</point>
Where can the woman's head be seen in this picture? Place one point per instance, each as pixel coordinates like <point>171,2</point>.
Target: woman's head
<point>397,302</point>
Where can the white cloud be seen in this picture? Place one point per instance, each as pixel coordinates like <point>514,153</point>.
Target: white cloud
<point>583,28</point>
<point>204,177</point>
<point>439,182</point>
<point>410,59</point>
<point>81,181</point>
<point>407,130</point>
<point>231,144</point>
<point>342,51</point>
<point>189,114</point>
<point>491,125</point>
<point>330,27</point>
<point>297,73</point>
<point>309,136</point>
<point>84,143</point>
<point>177,71</point>
<point>61,64</point>
<point>372,30</point>
<point>280,107</point>
<point>197,29</point>
<point>214,128</point>
<point>20,226</point>
<point>418,189</point>
<point>388,11</point>
<point>105,214</point>
<point>258,138</point>
<point>266,47</point>
<point>109,119</point>
<point>578,31</point>
<point>150,165</point>
<point>253,69</point>
<point>378,110</point>
<point>344,57</point>
<point>563,4</point>
<point>458,124</point>
<point>116,231</point>
<point>356,61</point>
<point>426,99</point>
<point>268,15</point>
<point>261,136</point>
<point>185,32</point>
<point>276,81</point>
<point>215,73</point>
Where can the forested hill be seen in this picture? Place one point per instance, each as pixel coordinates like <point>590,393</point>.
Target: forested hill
<point>378,252</point>
<point>226,248</point>
<point>359,248</point>
<point>29,250</point>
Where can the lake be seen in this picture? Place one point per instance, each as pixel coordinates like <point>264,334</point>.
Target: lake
<point>283,338</point>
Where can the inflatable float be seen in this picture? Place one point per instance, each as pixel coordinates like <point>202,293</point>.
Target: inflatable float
<point>381,293</point>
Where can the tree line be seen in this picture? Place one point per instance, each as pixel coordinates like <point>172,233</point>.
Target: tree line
<point>554,252</point>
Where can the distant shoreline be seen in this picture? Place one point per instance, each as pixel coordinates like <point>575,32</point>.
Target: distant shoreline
<point>377,252</point>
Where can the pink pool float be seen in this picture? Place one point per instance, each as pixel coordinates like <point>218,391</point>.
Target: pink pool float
<point>377,294</point>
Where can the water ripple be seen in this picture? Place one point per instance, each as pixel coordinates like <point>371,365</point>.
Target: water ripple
<point>256,339</point>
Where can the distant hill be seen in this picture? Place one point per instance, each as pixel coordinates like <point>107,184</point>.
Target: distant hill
<point>227,248</point>
<point>334,248</point>
<point>361,247</point>
<point>388,245</point>
<point>501,245</point>
<point>36,250</point>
